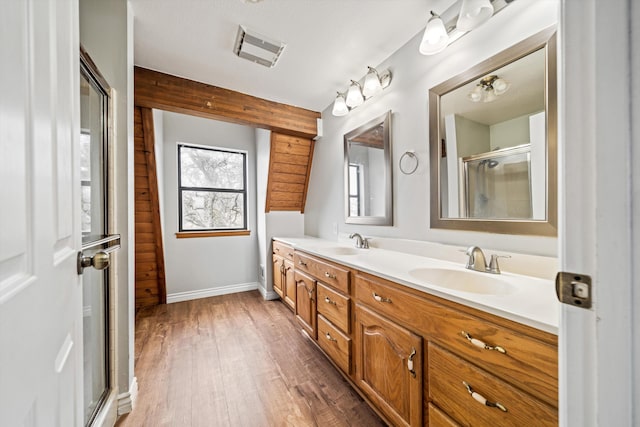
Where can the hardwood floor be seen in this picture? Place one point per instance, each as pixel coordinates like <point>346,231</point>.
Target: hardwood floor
<point>236,360</point>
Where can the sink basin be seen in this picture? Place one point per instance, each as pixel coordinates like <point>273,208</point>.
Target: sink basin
<point>341,250</point>
<point>463,280</point>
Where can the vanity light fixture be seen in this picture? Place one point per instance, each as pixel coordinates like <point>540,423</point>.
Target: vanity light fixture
<point>355,98</point>
<point>357,93</point>
<point>488,89</point>
<point>460,18</point>
<point>435,38</point>
<point>473,13</point>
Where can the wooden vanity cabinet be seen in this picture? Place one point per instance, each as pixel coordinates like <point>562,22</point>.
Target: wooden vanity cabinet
<point>306,303</point>
<point>389,366</point>
<point>420,359</point>
<point>283,280</point>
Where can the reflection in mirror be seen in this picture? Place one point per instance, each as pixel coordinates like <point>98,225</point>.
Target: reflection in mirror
<point>493,147</point>
<point>367,174</point>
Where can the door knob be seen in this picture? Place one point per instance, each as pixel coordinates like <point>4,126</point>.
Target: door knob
<point>100,260</point>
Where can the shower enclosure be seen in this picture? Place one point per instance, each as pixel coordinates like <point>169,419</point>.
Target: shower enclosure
<point>497,184</point>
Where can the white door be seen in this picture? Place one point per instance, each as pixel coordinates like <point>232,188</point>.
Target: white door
<point>599,347</point>
<point>40,290</point>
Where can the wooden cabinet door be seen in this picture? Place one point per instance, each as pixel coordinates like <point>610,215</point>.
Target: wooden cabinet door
<point>306,302</point>
<point>389,367</point>
<point>278,269</point>
<point>289,285</point>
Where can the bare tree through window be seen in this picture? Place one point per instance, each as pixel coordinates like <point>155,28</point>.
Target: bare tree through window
<point>212,187</point>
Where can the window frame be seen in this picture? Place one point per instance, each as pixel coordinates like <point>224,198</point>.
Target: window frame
<point>208,232</point>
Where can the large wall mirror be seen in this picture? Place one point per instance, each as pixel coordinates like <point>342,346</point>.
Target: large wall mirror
<point>367,173</point>
<point>493,143</point>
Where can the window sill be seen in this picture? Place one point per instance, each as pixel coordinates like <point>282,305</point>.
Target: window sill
<point>192,234</point>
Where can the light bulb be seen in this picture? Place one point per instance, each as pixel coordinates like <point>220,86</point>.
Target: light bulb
<point>435,38</point>
<point>488,96</point>
<point>372,83</point>
<point>475,95</point>
<point>340,106</point>
<point>500,86</point>
<point>473,13</point>
<point>354,95</point>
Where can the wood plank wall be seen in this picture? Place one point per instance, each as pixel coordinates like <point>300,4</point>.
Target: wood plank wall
<point>289,169</point>
<point>149,259</point>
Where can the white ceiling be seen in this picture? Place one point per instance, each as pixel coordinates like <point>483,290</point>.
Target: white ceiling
<point>328,42</point>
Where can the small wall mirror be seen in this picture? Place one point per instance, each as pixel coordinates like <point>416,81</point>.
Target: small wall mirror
<point>367,173</point>
<point>493,143</point>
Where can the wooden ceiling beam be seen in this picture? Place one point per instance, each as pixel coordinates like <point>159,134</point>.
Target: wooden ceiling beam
<point>161,91</point>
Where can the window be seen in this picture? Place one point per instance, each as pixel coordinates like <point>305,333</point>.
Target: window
<point>212,189</point>
<point>354,189</point>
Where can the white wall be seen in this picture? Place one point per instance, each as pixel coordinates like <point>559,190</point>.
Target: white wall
<point>197,267</point>
<point>407,97</point>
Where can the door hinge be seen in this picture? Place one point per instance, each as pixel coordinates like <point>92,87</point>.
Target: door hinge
<point>574,289</point>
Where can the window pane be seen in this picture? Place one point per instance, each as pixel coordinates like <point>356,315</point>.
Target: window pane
<point>212,210</point>
<point>353,179</point>
<point>353,206</point>
<point>213,169</point>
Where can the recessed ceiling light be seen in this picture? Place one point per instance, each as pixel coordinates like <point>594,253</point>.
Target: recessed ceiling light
<point>257,48</point>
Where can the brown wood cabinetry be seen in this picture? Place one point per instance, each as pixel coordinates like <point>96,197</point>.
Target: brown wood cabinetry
<point>419,359</point>
<point>306,302</point>
<point>389,367</point>
<point>283,280</point>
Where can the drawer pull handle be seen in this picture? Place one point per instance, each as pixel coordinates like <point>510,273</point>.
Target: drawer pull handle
<point>329,275</point>
<point>330,338</point>
<point>328,301</point>
<point>277,249</point>
<point>301,262</point>
<point>289,254</point>
<point>481,344</point>
<point>410,363</point>
<point>478,397</point>
<point>380,298</point>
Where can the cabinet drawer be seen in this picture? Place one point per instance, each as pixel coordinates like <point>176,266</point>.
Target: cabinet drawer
<point>283,250</point>
<point>335,344</point>
<point>334,306</point>
<point>437,418</point>
<point>528,363</point>
<point>324,271</point>
<point>448,375</point>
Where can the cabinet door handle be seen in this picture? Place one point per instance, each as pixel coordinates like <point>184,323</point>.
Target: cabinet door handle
<point>480,398</point>
<point>302,263</point>
<point>328,301</point>
<point>330,338</point>
<point>329,275</point>
<point>288,268</point>
<point>380,298</point>
<point>310,292</point>
<point>481,344</point>
<point>410,362</point>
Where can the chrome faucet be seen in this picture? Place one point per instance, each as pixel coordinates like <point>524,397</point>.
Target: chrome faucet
<point>478,262</point>
<point>361,242</point>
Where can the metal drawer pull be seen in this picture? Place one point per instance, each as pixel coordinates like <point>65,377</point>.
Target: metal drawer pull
<point>410,363</point>
<point>481,344</point>
<point>329,275</point>
<point>328,301</point>
<point>381,299</point>
<point>289,254</point>
<point>482,400</point>
<point>330,338</point>
<point>302,262</point>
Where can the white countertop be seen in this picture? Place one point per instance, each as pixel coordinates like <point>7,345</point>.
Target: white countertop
<point>530,301</point>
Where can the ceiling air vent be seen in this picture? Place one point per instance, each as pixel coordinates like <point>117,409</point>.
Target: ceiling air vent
<point>257,48</point>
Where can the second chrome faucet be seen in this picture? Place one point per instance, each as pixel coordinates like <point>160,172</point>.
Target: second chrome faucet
<point>477,261</point>
<point>361,242</point>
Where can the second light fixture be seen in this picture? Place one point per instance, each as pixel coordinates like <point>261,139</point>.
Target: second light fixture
<point>357,93</point>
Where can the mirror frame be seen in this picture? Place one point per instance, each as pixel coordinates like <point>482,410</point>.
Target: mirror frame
<point>387,219</point>
<point>549,226</point>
